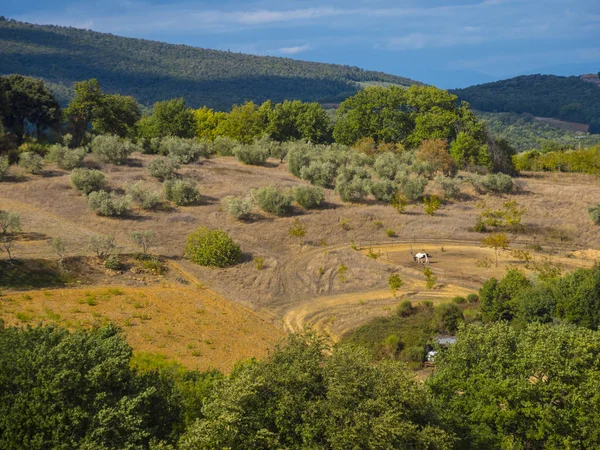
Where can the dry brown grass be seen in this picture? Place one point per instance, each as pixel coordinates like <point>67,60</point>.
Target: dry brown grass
<point>300,286</point>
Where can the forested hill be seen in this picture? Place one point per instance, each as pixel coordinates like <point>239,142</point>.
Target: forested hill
<point>565,98</point>
<point>152,71</point>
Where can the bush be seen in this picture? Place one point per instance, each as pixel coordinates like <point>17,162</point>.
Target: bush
<point>472,298</point>
<point>319,173</point>
<point>253,154</point>
<point>383,190</point>
<point>112,149</point>
<point>459,300</point>
<point>448,185</point>
<point>109,205</point>
<point>87,181</point>
<point>353,183</point>
<point>413,187</point>
<point>66,158</point>
<point>147,199</point>
<point>184,150</point>
<point>498,183</point>
<point>309,197</point>
<point>416,353</point>
<point>163,168</point>
<point>238,207</point>
<point>594,213</point>
<point>387,165</point>
<point>224,145</point>
<point>182,192</point>
<point>447,317</point>
<point>214,248</point>
<point>431,204</point>
<point>113,262</point>
<point>32,162</point>
<point>4,166</point>
<point>405,309</point>
<point>273,201</point>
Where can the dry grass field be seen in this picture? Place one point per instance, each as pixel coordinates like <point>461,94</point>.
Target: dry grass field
<point>298,285</point>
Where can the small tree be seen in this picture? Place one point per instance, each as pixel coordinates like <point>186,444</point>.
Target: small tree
<point>146,198</point>
<point>10,224</point>
<point>271,200</point>
<point>399,202</point>
<point>298,230</point>
<point>59,246</point>
<point>163,167</point>
<point>108,204</point>
<point>238,207</point>
<point>208,247</point>
<point>102,245</point>
<point>143,239</point>
<point>87,181</point>
<point>430,278</point>
<point>498,242</point>
<point>112,149</point>
<point>431,204</point>
<point>309,197</point>
<point>182,192</point>
<point>32,162</point>
<point>594,213</point>
<point>395,282</point>
<point>4,167</point>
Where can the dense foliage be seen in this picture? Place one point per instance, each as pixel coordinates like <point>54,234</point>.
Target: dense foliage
<point>78,390</point>
<point>565,98</point>
<point>586,160</point>
<point>215,248</point>
<point>217,79</point>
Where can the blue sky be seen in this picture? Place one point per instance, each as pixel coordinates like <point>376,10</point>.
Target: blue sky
<point>449,44</point>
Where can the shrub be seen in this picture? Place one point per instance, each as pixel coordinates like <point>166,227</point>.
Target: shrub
<point>390,233</point>
<point>224,145</point>
<point>387,165</point>
<point>184,150</point>
<point>208,247</point>
<point>108,204</point>
<point>139,193</point>
<point>300,154</point>
<point>32,162</point>
<point>472,298</point>
<point>4,166</point>
<point>405,309</point>
<point>447,317</point>
<point>353,183</point>
<point>273,201</point>
<point>319,173</point>
<point>87,181</point>
<point>459,300</point>
<point>413,187</point>
<point>448,185</point>
<point>253,154</point>
<point>498,183</point>
<point>66,158</point>
<point>383,190</point>
<point>594,213</point>
<point>102,245</point>
<point>182,192</point>
<point>309,197</point>
<point>163,168</point>
<point>112,149</point>
<point>113,262</point>
<point>430,278</point>
<point>416,353</point>
<point>431,204</point>
<point>238,207</point>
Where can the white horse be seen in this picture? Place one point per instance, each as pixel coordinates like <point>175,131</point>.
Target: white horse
<point>421,257</point>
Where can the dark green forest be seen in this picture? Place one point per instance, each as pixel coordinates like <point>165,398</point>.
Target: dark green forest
<point>152,71</point>
<point>564,98</point>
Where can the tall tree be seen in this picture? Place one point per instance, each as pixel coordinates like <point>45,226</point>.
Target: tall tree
<point>27,100</point>
<point>82,109</point>
<point>116,114</point>
<point>169,118</point>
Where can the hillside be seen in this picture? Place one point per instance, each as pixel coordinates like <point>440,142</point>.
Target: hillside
<point>566,98</point>
<point>152,71</point>
<point>525,132</point>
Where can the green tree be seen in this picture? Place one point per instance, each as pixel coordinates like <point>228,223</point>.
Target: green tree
<point>116,114</point>
<point>143,239</point>
<point>215,248</point>
<point>244,123</point>
<point>10,225</point>
<point>496,241</point>
<point>395,282</point>
<point>496,296</point>
<point>82,109</point>
<point>536,387</point>
<point>168,118</point>
<point>27,100</point>
<point>78,390</point>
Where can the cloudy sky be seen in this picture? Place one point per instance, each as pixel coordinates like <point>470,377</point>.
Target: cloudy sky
<point>446,43</point>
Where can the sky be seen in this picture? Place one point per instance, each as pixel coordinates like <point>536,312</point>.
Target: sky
<point>445,43</point>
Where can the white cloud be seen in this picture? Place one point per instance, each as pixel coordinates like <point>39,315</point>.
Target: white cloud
<point>294,50</point>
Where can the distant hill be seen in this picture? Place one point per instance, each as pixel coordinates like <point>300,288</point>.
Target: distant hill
<point>526,132</point>
<point>152,71</point>
<point>565,98</point>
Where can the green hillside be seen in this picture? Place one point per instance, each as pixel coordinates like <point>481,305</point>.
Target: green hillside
<point>565,98</point>
<point>524,132</point>
<point>152,71</point>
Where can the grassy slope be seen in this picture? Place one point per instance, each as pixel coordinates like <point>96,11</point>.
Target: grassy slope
<point>152,71</point>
